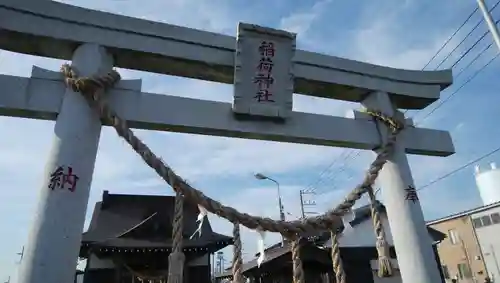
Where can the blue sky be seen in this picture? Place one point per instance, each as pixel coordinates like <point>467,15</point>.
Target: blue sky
<point>397,33</point>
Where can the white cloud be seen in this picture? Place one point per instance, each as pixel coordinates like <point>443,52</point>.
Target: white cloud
<point>300,22</point>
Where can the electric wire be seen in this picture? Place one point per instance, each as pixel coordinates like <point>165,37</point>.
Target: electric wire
<point>449,54</point>
<point>353,156</point>
<point>459,169</point>
<point>474,60</point>
<point>313,184</point>
<point>465,38</point>
<point>450,38</point>
<point>472,47</point>
<point>443,101</point>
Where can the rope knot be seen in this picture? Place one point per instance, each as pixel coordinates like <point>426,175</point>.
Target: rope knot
<point>88,85</point>
<point>391,122</point>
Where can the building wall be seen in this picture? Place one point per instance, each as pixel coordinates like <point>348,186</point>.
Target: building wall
<point>103,270</point>
<point>97,263</point>
<point>488,234</point>
<point>460,250</point>
<point>362,235</point>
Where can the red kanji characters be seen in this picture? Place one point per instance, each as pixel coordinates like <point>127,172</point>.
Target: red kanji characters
<point>266,49</point>
<point>264,95</point>
<point>411,194</point>
<point>265,65</point>
<point>264,78</point>
<point>62,180</point>
<point>264,81</point>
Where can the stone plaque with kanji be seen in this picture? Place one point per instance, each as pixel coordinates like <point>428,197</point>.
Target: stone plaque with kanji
<point>263,75</point>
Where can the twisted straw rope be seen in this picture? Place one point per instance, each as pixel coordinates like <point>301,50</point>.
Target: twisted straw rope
<point>384,263</point>
<point>338,266</point>
<point>92,88</point>
<point>237,255</point>
<point>176,258</point>
<point>298,270</point>
<point>178,223</point>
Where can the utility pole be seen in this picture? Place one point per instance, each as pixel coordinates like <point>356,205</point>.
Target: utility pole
<point>220,262</point>
<point>490,22</point>
<point>303,213</point>
<point>213,267</point>
<point>306,203</point>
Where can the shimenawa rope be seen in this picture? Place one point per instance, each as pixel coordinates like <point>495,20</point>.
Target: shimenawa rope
<point>93,88</point>
<point>338,266</point>
<point>384,261</point>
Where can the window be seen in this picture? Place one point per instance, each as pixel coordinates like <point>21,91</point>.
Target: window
<point>464,271</point>
<point>486,220</point>
<point>495,218</point>
<point>477,223</point>
<point>446,272</point>
<point>453,235</point>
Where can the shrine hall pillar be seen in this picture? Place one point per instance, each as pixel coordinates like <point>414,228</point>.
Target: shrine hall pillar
<point>54,240</point>
<point>412,242</point>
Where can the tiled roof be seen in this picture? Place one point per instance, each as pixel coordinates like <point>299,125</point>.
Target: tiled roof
<point>144,221</point>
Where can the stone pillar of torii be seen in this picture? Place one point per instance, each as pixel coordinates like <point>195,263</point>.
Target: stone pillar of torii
<point>265,69</point>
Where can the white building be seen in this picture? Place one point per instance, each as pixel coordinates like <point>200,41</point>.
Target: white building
<point>486,221</point>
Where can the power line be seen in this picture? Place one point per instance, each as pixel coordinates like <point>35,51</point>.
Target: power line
<point>344,167</point>
<point>441,104</point>
<point>472,47</point>
<point>450,38</point>
<point>312,184</point>
<point>466,36</point>
<point>445,44</point>
<point>432,58</point>
<point>459,169</point>
<point>331,177</point>
<point>474,60</point>
<point>443,101</point>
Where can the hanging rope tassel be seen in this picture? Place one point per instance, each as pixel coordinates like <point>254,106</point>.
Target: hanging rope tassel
<point>298,271</point>
<point>338,266</point>
<point>176,258</point>
<point>237,260</point>
<point>384,262</point>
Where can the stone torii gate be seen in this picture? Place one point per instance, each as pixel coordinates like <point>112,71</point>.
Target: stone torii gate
<point>96,41</point>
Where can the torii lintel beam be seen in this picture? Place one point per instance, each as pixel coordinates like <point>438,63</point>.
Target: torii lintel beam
<point>53,29</point>
<point>40,97</point>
